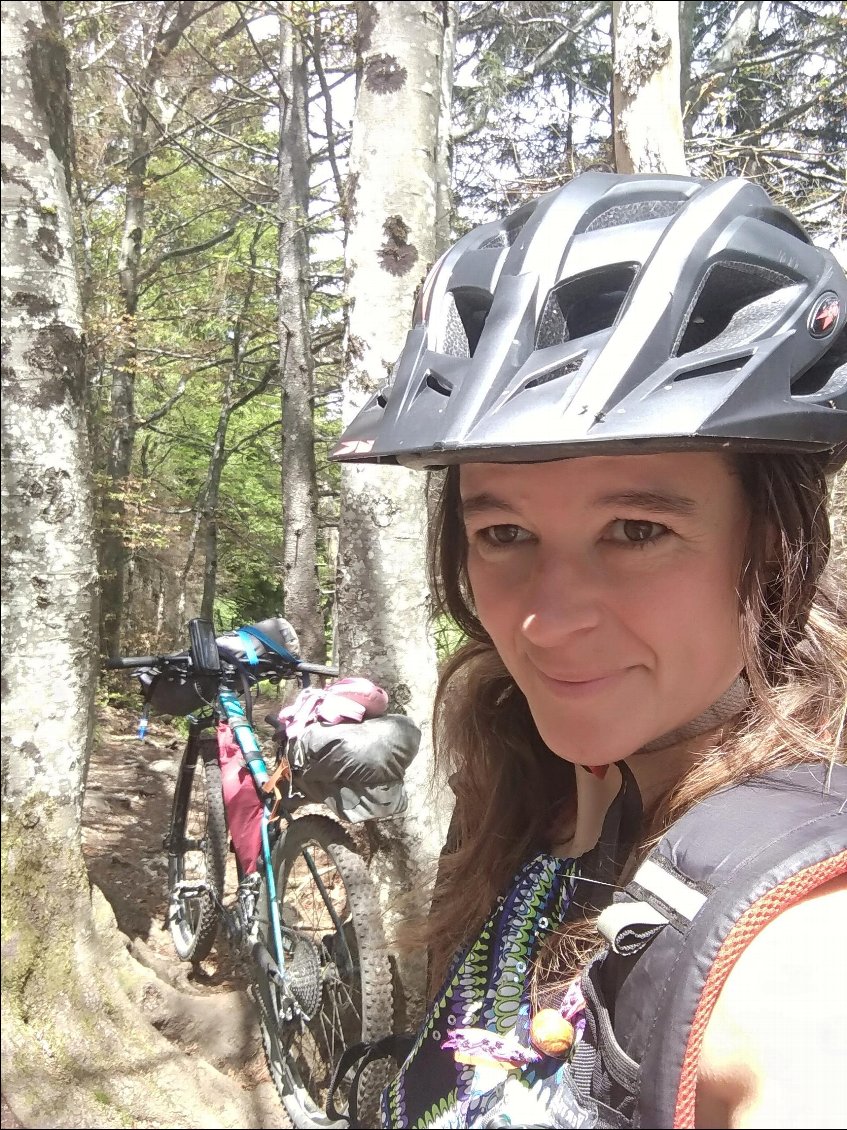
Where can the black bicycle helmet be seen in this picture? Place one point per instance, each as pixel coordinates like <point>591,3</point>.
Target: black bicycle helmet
<point>637,312</point>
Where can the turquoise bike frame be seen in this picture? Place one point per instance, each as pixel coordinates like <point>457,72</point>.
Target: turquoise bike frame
<point>245,736</point>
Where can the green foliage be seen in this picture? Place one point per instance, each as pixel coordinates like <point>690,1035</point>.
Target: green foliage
<point>448,637</point>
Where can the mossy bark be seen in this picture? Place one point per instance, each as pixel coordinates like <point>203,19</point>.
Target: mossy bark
<point>78,1049</point>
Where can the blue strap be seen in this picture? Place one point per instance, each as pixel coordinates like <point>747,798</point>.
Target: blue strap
<point>249,648</point>
<point>278,649</point>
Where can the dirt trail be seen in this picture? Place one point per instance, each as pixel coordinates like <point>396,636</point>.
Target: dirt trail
<point>206,1011</point>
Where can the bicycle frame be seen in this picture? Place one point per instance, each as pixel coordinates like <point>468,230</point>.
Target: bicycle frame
<point>236,716</point>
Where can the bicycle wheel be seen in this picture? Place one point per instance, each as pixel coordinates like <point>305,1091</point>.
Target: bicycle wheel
<point>197,851</point>
<point>337,960</point>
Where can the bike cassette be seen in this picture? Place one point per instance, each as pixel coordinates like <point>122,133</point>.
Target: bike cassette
<point>300,972</point>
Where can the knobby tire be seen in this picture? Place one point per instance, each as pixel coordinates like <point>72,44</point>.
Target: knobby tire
<point>356,1004</point>
<point>198,849</point>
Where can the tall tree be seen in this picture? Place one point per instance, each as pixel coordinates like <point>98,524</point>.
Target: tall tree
<point>206,514</point>
<point>531,103</point>
<point>61,955</point>
<point>392,207</point>
<point>48,564</point>
<point>299,478</point>
<point>647,112</point>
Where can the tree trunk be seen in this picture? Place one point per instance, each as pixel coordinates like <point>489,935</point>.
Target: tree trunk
<point>647,114</point>
<point>302,603</point>
<point>444,149</point>
<point>211,496</point>
<point>382,593</point>
<point>48,565</point>
<point>687,24</point>
<point>77,1049</point>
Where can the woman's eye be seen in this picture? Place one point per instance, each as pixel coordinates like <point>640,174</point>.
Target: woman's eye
<point>502,535</point>
<point>635,531</point>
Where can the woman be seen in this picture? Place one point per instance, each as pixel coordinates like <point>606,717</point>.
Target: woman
<point>637,386</point>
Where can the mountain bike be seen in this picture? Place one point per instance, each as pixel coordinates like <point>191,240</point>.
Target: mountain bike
<point>305,913</point>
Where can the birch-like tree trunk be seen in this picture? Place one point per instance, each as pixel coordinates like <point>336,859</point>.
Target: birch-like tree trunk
<point>444,148</point>
<point>78,1049</point>
<point>299,477</point>
<point>382,592</point>
<point>646,94</point>
<point>48,559</point>
<point>49,571</point>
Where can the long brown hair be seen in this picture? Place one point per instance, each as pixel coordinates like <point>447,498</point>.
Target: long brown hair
<point>510,787</point>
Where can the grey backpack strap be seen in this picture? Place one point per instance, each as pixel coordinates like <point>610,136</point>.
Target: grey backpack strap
<point>718,875</point>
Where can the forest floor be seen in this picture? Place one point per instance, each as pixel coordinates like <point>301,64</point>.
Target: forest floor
<point>205,1010</point>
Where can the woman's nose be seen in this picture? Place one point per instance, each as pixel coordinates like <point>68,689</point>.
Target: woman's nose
<point>561,598</point>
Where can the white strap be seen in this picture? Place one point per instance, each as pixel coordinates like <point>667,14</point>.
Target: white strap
<point>671,891</point>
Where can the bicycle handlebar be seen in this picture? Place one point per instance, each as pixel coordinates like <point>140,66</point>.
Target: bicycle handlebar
<point>125,662</point>
<point>317,669</point>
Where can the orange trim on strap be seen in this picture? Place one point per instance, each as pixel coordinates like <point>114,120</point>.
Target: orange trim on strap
<point>751,922</point>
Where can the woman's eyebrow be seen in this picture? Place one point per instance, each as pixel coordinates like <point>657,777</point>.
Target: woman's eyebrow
<point>656,501</point>
<point>650,500</point>
<point>477,503</point>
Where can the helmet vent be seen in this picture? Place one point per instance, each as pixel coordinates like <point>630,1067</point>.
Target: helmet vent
<point>713,369</point>
<point>828,376</point>
<point>552,329</point>
<point>734,303</point>
<point>634,212</point>
<point>584,305</point>
<point>512,227</point>
<point>504,238</point>
<point>555,374</point>
<point>467,309</point>
<point>438,384</point>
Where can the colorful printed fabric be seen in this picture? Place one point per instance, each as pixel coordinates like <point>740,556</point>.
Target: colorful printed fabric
<point>503,1080</point>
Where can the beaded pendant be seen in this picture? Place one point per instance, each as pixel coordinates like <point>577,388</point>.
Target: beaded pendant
<point>551,1034</point>
<point>553,1031</point>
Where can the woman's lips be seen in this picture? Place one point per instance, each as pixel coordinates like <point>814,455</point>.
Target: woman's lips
<point>581,687</point>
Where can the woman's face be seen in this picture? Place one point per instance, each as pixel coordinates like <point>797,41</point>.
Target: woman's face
<point>609,587</point>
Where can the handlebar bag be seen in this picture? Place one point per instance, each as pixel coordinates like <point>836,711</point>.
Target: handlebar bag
<point>356,769</point>
<point>177,692</point>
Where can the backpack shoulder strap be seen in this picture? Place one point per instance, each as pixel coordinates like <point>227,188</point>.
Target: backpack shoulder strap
<point>722,872</point>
